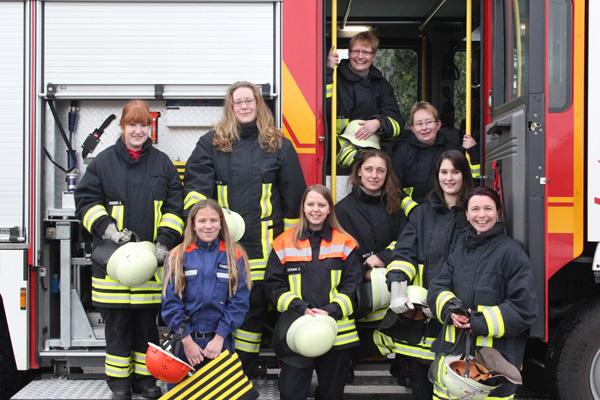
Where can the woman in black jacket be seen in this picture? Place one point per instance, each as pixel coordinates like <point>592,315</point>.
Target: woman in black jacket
<point>247,165</point>
<point>422,249</point>
<point>489,277</point>
<point>373,215</point>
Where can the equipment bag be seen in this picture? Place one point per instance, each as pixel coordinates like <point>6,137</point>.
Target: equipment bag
<point>221,378</point>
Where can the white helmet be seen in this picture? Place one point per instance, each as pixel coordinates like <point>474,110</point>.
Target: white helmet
<point>312,336</point>
<point>459,386</point>
<point>235,223</point>
<point>348,134</point>
<point>417,295</point>
<point>133,263</point>
<point>373,295</point>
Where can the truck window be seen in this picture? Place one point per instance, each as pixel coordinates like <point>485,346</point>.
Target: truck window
<point>559,55</point>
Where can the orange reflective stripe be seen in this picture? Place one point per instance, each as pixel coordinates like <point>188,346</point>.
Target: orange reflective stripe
<point>341,246</point>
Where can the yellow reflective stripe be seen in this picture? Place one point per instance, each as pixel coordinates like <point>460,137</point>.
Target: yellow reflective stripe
<point>493,319</point>
<point>441,300</point>
<point>267,238</point>
<point>266,208</point>
<point>384,343</point>
<point>92,215</point>
<point>403,266</point>
<point>418,279</point>
<point>336,297</point>
<point>439,390</point>
<point>346,332</point>
<point>475,170</point>
<point>511,397</point>
<point>395,127</point>
<point>258,266</point>
<point>328,90</point>
<point>192,198</point>
<point>172,221</point>
<point>139,363</point>
<point>289,223</point>
<point>421,350</point>
<point>450,334</point>
<point>391,246</point>
<point>374,316</point>
<point>222,196</point>
<point>158,275</point>
<point>484,341</point>
<point>345,303</point>
<point>284,300</point>
<point>247,341</point>
<point>118,214</point>
<point>407,205</point>
<point>117,366</point>
<point>346,155</point>
<point>341,124</point>
<point>409,191</point>
<point>157,216</point>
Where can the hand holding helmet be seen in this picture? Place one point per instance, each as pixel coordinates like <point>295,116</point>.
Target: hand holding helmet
<point>161,253</point>
<point>119,237</point>
<point>399,300</point>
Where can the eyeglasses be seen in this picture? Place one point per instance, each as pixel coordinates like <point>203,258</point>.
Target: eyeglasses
<point>361,52</point>
<point>248,102</point>
<point>429,122</point>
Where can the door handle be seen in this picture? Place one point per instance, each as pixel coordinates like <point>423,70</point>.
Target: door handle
<point>497,127</point>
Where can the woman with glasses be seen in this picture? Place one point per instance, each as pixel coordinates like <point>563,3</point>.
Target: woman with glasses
<point>415,158</point>
<point>247,165</point>
<point>362,93</point>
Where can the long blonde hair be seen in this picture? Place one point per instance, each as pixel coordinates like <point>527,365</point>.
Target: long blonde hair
<point>331,218</point>
<point>227,130</point>
<point>176,257</point>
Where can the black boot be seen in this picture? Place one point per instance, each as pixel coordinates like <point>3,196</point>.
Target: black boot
<point>121,393</point>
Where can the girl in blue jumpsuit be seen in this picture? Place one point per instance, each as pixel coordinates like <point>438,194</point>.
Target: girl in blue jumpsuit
<point>207,278</point>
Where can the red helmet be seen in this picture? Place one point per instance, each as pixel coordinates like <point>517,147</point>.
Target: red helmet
<point>163,365</point>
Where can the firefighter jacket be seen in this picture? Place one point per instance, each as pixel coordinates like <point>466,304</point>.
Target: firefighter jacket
<point>414,164</point>
<point>323,273</point>
<point>362,97</point>
<point>265,188</point>
<point>432,231</point>
<point>365,98</point>
<point>490,274</point>
<point>365,218</point>
<point>142,195</point>
<point>205,298</point>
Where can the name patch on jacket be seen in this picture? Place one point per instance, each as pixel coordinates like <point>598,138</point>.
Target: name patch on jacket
<point>115,203</point>
<point>294,269</point>
<point>190,272</point>
<point>222,271</point>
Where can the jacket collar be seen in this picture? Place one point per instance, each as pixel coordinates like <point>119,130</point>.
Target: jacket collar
<point>344,68</point>
<point>440,140</point>
<point>473,240</point>
<point>324,233</point>
<point>122,150</point>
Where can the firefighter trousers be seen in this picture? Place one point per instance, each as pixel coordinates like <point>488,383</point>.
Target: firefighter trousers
<point>128,332</point>
<point>332,367</point>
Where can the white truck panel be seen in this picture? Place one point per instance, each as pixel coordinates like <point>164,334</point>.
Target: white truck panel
<point>11,282</point>
<point>11,113</point>
<point>593,137</point>
<point>158,43</point>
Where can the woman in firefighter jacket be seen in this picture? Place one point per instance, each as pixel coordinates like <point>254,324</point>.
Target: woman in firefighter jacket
<point>130,187</point>
<point>362,93</point>
<point>420,252</point>
<point>314,269</point>
<point>249,167</point>
<point>415,158</point>
<point>207,278</point>
<point>372,214</point>
<point>489,277</point>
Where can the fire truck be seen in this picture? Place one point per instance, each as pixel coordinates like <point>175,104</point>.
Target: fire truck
<point>518,75</point>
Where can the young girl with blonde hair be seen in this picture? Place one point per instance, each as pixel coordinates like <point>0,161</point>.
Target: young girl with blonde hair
<point>207,278</point>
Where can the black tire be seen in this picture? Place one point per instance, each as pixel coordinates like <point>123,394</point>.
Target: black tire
<point>8,369</point>
<point>573,357</point>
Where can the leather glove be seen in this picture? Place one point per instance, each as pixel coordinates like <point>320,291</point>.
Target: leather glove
<point>113,234</point>
<point>161,253</point>
<point>399,301</point>
<point>427,312</point>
